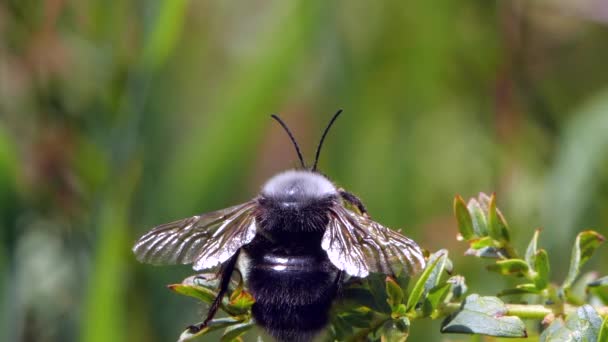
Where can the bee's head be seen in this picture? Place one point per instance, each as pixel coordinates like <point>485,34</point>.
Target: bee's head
<point>296,201</point>
<point>298,187</point>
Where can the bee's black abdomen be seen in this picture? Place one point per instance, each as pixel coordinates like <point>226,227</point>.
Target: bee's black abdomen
<point>293,295</point>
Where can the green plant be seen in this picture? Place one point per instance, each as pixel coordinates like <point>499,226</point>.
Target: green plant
<point>382,308</point>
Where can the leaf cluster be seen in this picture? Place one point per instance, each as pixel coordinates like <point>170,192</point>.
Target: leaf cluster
<point>381,308</point>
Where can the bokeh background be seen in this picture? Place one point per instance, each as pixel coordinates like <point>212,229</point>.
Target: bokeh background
<point>116,116</point>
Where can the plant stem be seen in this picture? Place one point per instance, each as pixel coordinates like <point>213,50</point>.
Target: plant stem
<point>527,311</point>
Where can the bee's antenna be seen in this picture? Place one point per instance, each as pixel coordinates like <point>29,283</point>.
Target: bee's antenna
<point>314,167</point>
<point>293,140</point>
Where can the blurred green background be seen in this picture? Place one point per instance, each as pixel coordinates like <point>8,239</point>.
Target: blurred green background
<point>116,116</point>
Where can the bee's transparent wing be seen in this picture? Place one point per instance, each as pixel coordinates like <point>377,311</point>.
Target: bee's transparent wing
<point>358,245</point>
<point>206,240</point>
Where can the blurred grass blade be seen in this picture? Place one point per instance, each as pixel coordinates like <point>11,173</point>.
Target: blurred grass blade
<point>213,147</point>
<point>165,32</point>
<point>580,157</point>
<point>105,313</point>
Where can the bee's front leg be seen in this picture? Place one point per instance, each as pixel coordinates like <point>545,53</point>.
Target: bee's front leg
<point>225,274</point>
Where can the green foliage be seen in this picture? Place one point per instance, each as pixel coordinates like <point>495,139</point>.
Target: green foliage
<point>583,325</point>
<point>385,309</point>
<point>485,316</point>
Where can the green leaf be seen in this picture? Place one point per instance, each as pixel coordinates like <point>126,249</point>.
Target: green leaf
<point>435,276</point>
<point>234,331</point>
<point>394,293</point>
<point>359,317</point>
<point>435,297</point>
<point>377,287</point>
<point>542,269</point>
<point>486,316</point>
<point>583,325</point>
<point>465,223</point>
<point>602,336</point>
<point>517,291</point>
<point>532,248</point>
<point>601,282</point>
<point>201,293</point>
<point>361,296</point>
<point>215,324</point>
<point>487,252</point>
<point>458,286</point>
<point>240,301</point>
<point>480,223</point>
<point>419,287</point>
<point>494,227</point>
<point>395,331</point>
<point>341,329</point>
<point>485,241</point>
<point>517,267</point>
<point>586,243</point>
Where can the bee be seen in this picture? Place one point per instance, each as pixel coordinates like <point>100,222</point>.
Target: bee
<point>299,240</point>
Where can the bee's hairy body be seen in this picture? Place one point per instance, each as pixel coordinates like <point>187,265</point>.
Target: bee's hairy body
<point>289,274</point>
<point>295,243</point>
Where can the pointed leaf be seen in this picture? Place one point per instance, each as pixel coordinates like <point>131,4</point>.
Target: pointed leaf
<point>234,331</point>
<point>377,287</point>
<point>485,241</point>
<point>601,282</point>
<point>458,286</point>
<point>583,325</point>
<point>465,223</point>
<point>517,291</point>
<point>394,293</point>
<point>532,248</point>
<point>419,287</point>
<point>487,252</point>
<point>435,297</point>
<point>603,334</point>
<point>359,317</point>
<point>586,243</point>
<point>395,331</point>
<point>241,302</point>
<point>486,316</point>
<point>541,266</point>
<point>435,276</point>
<point>215,324</point>
<point>494,228</point>
<point>516,267</point>
<point>480,223</point>
<point>201,293</point>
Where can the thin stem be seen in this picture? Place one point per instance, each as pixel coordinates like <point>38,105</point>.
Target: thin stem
<point>526,311</point>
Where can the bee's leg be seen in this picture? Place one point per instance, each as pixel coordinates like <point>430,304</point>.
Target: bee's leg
<point>226,274</point>
<point>354,200</point>
<point>339,281</point>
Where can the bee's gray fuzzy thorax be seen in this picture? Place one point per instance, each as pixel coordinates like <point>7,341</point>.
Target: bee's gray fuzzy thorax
<point>298,185</point>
